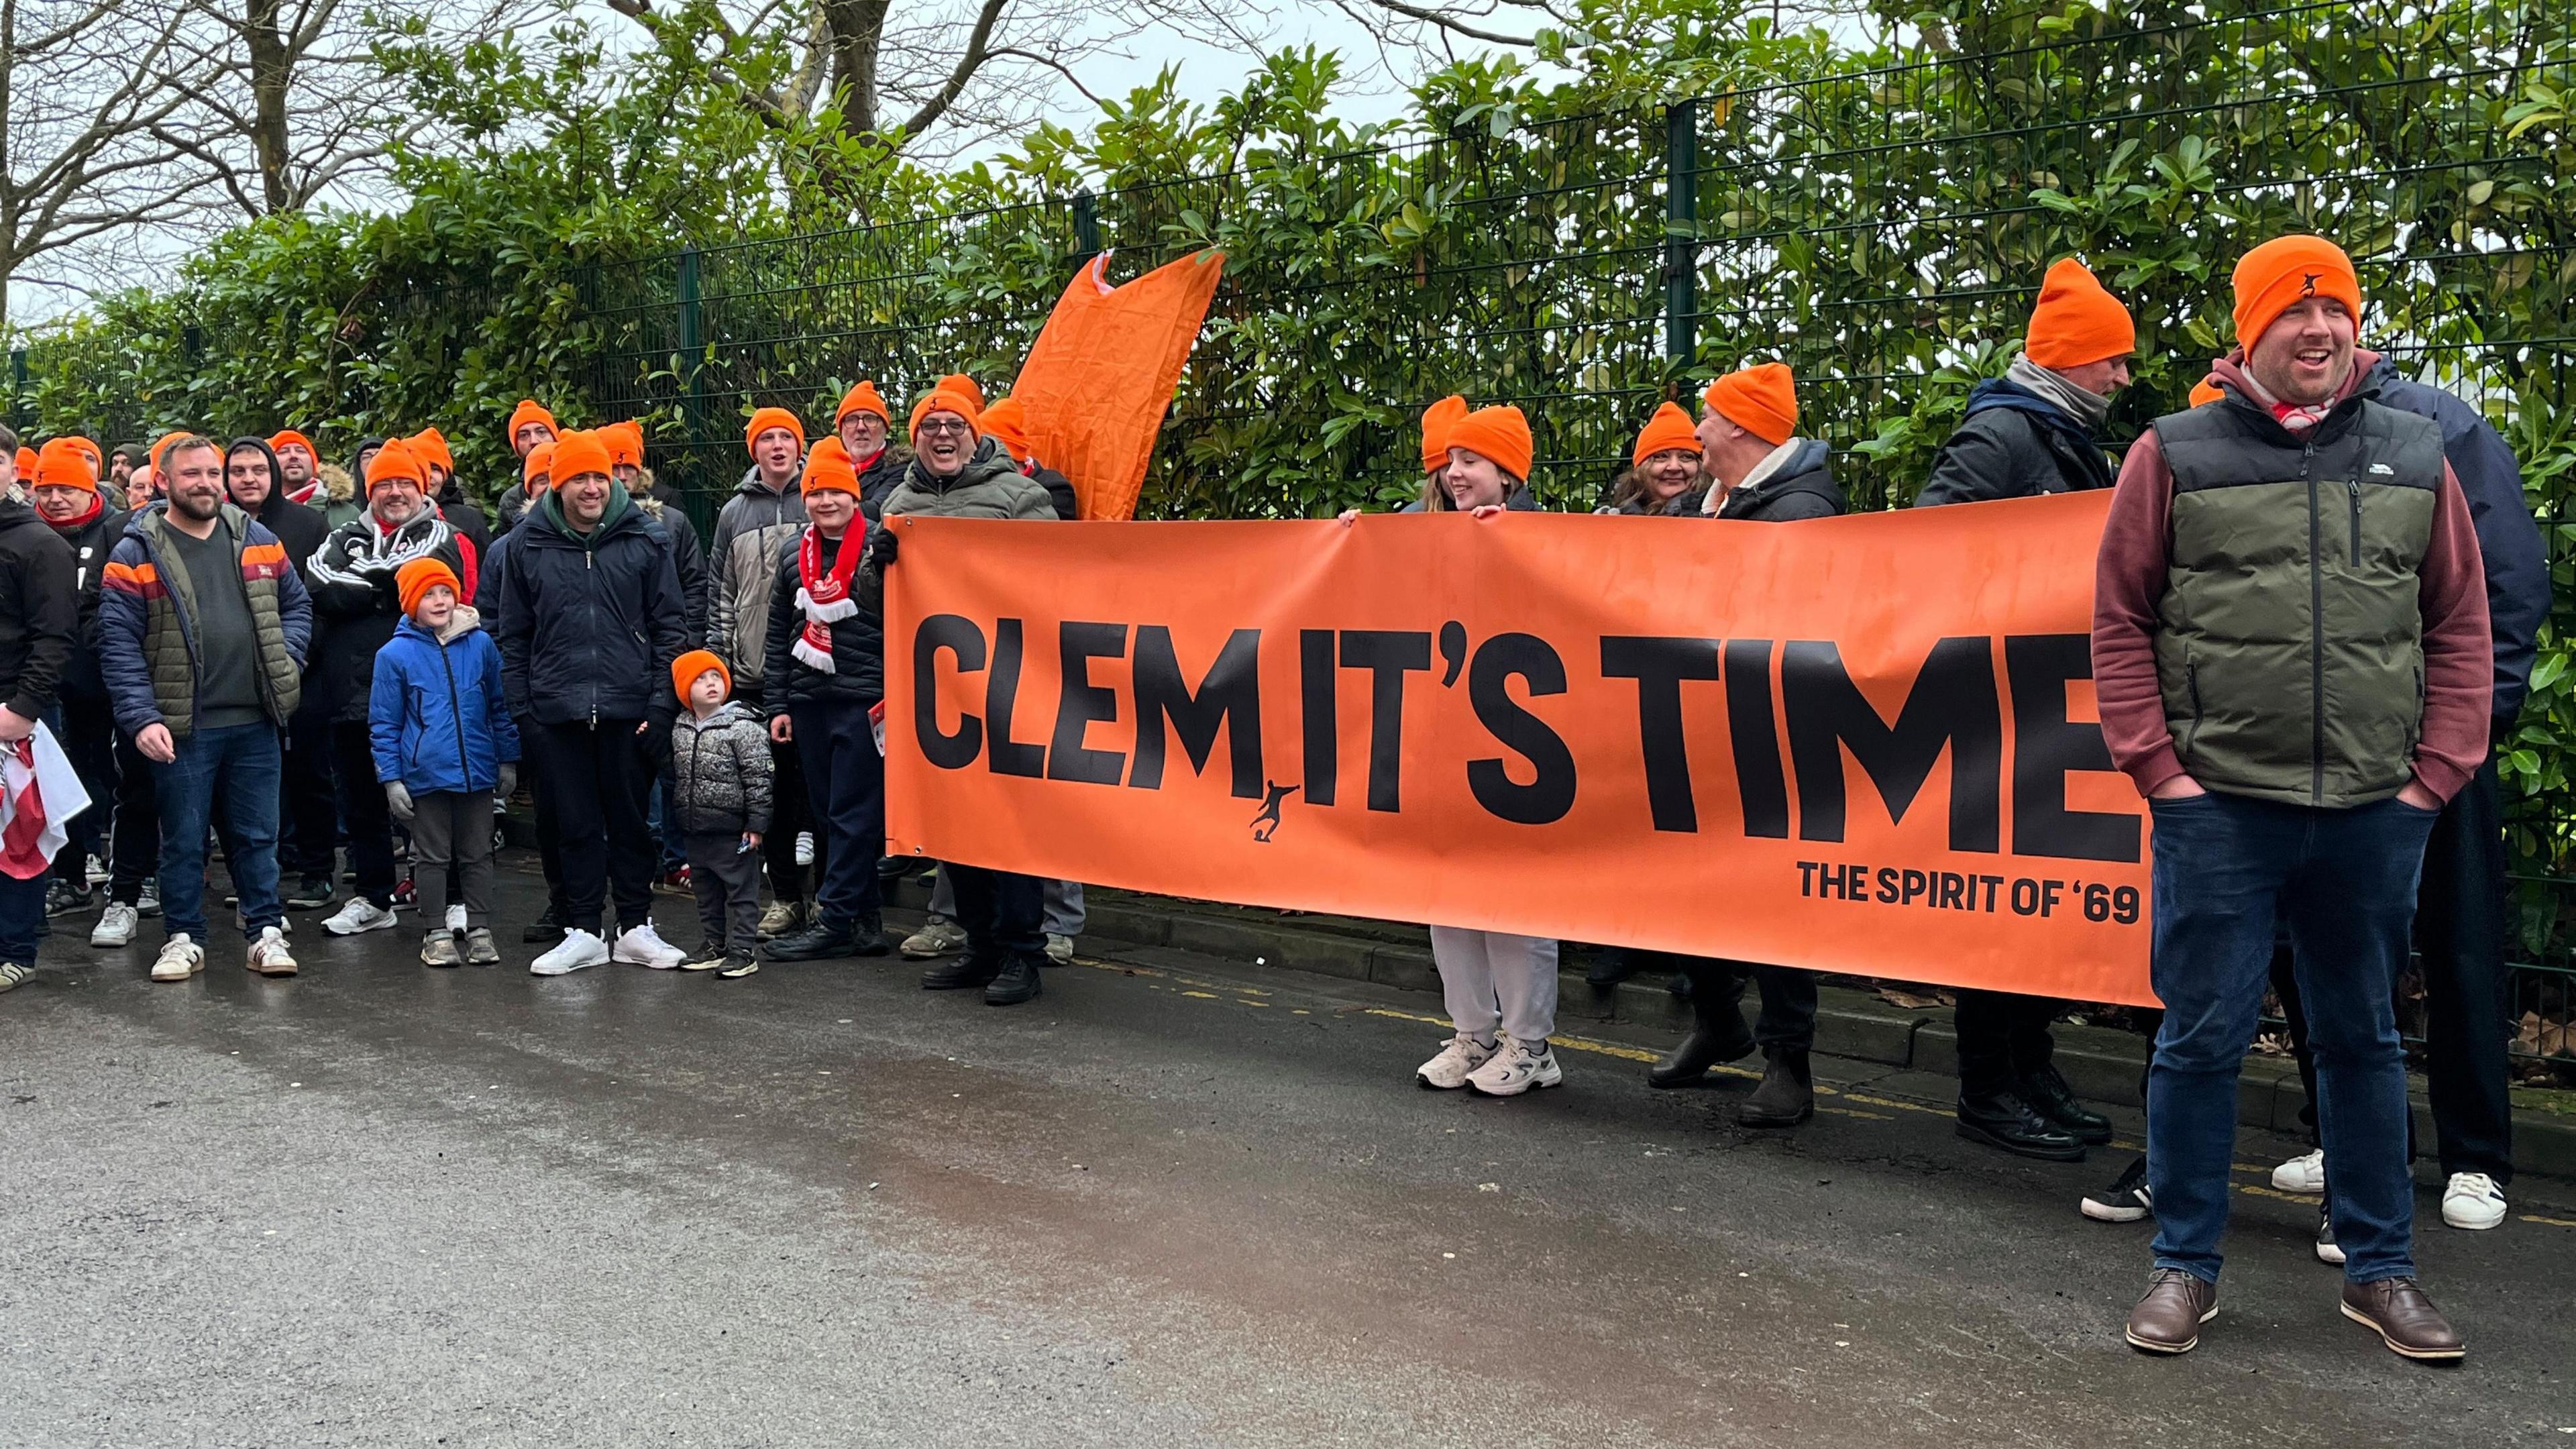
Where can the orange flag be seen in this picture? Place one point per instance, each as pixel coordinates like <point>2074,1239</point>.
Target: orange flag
<point>1102,373</point>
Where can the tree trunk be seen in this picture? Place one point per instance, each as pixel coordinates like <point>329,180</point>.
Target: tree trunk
<point>858,29</point>
<point>269,74</point>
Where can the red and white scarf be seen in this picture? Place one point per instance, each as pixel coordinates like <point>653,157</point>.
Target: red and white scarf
<point>824,594</point>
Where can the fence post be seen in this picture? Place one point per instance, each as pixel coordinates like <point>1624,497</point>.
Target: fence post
<point>1086,224</point>
<point>1681,232</point>
<point>693,386</point>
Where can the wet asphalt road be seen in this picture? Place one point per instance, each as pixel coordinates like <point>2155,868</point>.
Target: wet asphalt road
<point>1172,1202</point>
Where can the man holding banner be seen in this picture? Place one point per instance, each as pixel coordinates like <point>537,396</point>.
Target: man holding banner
<point>2292,662</point>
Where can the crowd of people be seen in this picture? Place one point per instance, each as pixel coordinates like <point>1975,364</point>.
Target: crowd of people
<point>2317,601</point>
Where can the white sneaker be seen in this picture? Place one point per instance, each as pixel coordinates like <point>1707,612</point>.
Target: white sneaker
<point>180,959</point>
<point>1059,949</point>
<point>360,914</point>
<point>2472,1201</point>
<point>456,915</point>
<point>804,847</point>
<point>14,974</point>
<point>1516,1069</point>
<point>148,900</point>
<point>2305,1175</point>
<point>96,870</point>
<point>577,949</point>
<point>268,954</point>
<point>1448,1071</point>
<point>644,946</point>
<point>938,936</point>
<point>115,926</point>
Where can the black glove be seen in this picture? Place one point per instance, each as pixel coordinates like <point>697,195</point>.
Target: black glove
<point>881,548</point>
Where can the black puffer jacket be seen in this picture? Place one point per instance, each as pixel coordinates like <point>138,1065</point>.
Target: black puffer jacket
<point>39,613</point>
<point>356,605</point>
<point>2014,444</point>
<point>301,527</point>
<point>1804,487</point>
<point>90,544</point>
<point>724,777</point>
<point>589,625</point>
<point>858,642</point>
<point>689,559</point>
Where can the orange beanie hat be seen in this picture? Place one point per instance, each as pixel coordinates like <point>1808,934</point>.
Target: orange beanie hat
<point>2205,392</point>
<point>961,383</point>
<point>528,412</point>
<point>829,468</point>
<point>1669,430</point>
<point>290,436</point>
<point>625,443</point>
<point>862,399</point>
<point>62,463</point>
<point>1501,435</point>
<point>686,669</point>
<point>540,463</point>
<point>1006,422</point>
<point>26,462</point>
<point>430,446</point>
<point>2076,321</point>
<point>577,453</point>
<point>396,460</point>
<point>966,402</point>
<point>1437,420</point>
<point>763,419</point>
<point>1762,400</point>
<point>2276,275</point>
<point>97,459</point>
<point>418,577</point>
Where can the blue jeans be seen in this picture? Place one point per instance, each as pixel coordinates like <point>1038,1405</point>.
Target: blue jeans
<point>238,768</point>
<point>22,915</point>
<point>2344,883</point>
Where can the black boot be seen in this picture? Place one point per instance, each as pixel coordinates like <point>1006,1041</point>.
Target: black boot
<point>871,937</point>
<point>1721,1036</point>
<point>2047,1094</point>
<point>2000,1119</point>
<point>1786,1096</point>
<point>1016,982</point>
<point>821,941</point>
<point>973,968</point>
<point>547,928</point>
<point>1610,966</point>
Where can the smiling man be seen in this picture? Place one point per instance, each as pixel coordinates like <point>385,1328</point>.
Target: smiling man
<point>2291,655</point>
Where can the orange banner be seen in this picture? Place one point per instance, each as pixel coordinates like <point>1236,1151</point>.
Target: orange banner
<point>1861,744</point>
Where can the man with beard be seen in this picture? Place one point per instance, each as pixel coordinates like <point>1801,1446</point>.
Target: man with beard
<point>202,633</point>
<point>355,593</point>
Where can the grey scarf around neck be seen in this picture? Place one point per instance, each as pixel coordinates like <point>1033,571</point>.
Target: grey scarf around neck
<point>2088,408</point>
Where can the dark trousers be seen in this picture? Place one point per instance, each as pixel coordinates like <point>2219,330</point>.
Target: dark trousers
<point>2226,867</point>
<point>310,811</point>
<point>226,777</point>
<point>791,814</point>
<point>598,778</point>
<point>1787,1020</point>
<point>549,837</point>
<point>371,825</point>
<point>2003,1038</point>
<point>845,785</point>
<point>22,916</point>
<point>137,849</point>
<point>2460,915</point>
<point>451,834</point>
<point>88,734</point>
<point>726,880</point>
<point>999,909</point>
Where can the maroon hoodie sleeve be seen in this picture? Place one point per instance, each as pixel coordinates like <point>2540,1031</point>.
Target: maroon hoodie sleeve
<point>2459,652</point>
<point>2128,579</point>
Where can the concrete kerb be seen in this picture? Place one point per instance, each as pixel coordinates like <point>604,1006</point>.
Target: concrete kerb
<point>2100,1063</point>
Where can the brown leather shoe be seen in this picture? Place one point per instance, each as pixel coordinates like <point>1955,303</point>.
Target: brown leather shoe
<point>2168,1319</point>
<point>2405,1320</point>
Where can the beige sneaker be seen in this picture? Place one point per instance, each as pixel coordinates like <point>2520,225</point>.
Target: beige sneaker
<point>268,954</point>
<point>180,959</point>
<point>938,936</point>
<point>781,918</point>
<point>438,948</point>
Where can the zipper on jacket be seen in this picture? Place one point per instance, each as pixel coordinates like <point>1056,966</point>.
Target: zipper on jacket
<point>2316,630</point>
<point>2191,675</point>
<point>456,706</point>
<point>2353,485</point>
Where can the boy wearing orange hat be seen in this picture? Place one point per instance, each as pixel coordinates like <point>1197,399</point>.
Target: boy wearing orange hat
<point>2032,432</point>
<point>2292,662</point>
<point>724,786</point>
<point>1760,470</point>
<point>444,749</point>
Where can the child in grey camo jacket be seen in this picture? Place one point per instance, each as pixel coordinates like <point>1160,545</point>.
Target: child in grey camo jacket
<point>721,764</point>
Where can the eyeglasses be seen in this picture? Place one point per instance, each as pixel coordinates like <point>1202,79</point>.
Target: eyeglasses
<point>950,425</point>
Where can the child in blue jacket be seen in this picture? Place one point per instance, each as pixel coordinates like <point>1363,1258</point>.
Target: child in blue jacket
<point>445,747</point>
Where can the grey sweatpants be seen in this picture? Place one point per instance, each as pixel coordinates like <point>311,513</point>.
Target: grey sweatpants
<point>1063,901</point>
<point>726,878</point>
<point>448,828</point>
<point>1490,979</point>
